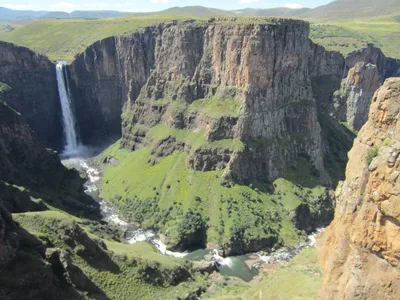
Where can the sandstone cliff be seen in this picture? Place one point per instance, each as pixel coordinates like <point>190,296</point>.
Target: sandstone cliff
<point>33,92</point>
<point>360,253</point>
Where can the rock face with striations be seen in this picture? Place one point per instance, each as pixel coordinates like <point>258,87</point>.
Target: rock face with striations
<point>366,68</point>
<point>259,75</point>
<point>267,76</point>
<point>360,255</point>
<point>260,68</point>
<point>108,74</point>
<point>32,91</point>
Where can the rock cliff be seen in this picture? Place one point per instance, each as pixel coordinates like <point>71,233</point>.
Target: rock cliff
<point>259,74</point>
<point>108,74</point>
<point>32,91</point>
<point>266,77</point>
<point>24,162</point>
<point>366,68</point>
<point>360,253</point>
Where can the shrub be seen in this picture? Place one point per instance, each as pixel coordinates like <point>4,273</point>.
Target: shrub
<point>372,153</point>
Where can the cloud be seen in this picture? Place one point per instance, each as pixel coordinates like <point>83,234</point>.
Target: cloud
<point>17,6</point>
<point>293,5</point>
<point>65,6</point>
<point>248,1</point>
<point>159,1</point>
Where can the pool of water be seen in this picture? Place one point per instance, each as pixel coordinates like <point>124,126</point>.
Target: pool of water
<point>231,266</point>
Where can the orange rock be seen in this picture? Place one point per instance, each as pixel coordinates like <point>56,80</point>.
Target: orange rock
<point>361,252</point>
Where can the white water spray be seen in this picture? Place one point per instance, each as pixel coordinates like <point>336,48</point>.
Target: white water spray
<point>71,138</point>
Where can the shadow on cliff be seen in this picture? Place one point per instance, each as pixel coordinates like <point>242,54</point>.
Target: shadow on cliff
<point>337,141</point>
<point>26,272</point>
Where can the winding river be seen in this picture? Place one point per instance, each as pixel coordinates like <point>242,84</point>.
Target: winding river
<point>244,266</point>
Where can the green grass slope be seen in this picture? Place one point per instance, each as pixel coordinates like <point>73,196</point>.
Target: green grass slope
<point>352,9</point>
<point>121,271</point>
<point>63,39</point>
<point>347,35</point>
<point>158,193</point>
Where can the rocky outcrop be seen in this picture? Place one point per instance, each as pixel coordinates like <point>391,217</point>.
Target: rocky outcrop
<point>24,272</point>
<point>32,91</point>
<point>360,253</point>
<point>8,242</point>
<point>353,100</point>
<point>26,163</point>
<point>366,69</point>
<point>67,271</point>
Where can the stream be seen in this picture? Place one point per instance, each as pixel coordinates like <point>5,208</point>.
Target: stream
<point>244,266</point>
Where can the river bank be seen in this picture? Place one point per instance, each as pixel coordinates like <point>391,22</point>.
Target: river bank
<point>246,267</point>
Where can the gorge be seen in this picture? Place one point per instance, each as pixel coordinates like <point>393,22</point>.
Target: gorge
<point>224,134</point>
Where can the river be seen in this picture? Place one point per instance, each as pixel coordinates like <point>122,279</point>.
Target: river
<point>237,266</point>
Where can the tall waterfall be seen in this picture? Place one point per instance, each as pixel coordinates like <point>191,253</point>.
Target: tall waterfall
<point>71,138</point>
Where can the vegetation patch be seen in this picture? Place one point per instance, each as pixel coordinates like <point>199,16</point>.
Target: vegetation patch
<point>194,139</point>
<point>216,107</point>
<point>158,196</point>
<point>348,35</point>
<point>120,271</point>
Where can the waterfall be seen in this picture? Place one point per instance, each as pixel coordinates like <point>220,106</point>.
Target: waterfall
<point>71,138</point>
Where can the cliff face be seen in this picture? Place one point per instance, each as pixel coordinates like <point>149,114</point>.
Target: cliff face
<point>360,254</point>
<point>264,71</point>
<point>263,68</point>
<point>366,69</point>
<point>107,75</point>
<point>353,100</point>
<point>32,91</point>
<point>23,160</point>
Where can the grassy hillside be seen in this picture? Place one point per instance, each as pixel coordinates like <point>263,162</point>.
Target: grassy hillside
<point>63,39</point>
<point>352,9</point>
<point>272,12</point>
<point>348,35</point>
<point>119,271</point>
<point>159,193</point>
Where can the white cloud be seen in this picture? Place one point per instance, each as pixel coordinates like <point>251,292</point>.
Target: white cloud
<point>16,6</point>
<point>293,5</point>
<point>64,6</point>
<point>159,1</point>
<point>248,1</point>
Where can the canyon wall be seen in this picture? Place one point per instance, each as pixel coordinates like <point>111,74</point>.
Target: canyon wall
<point>267,68</point>
<point>360,251</point>
<point>108,74</point>
<point>366,68</point>
<point>31,89</point>
<point>23,160</point>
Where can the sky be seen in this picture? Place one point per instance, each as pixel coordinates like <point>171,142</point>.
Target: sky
<point>151,5</point>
